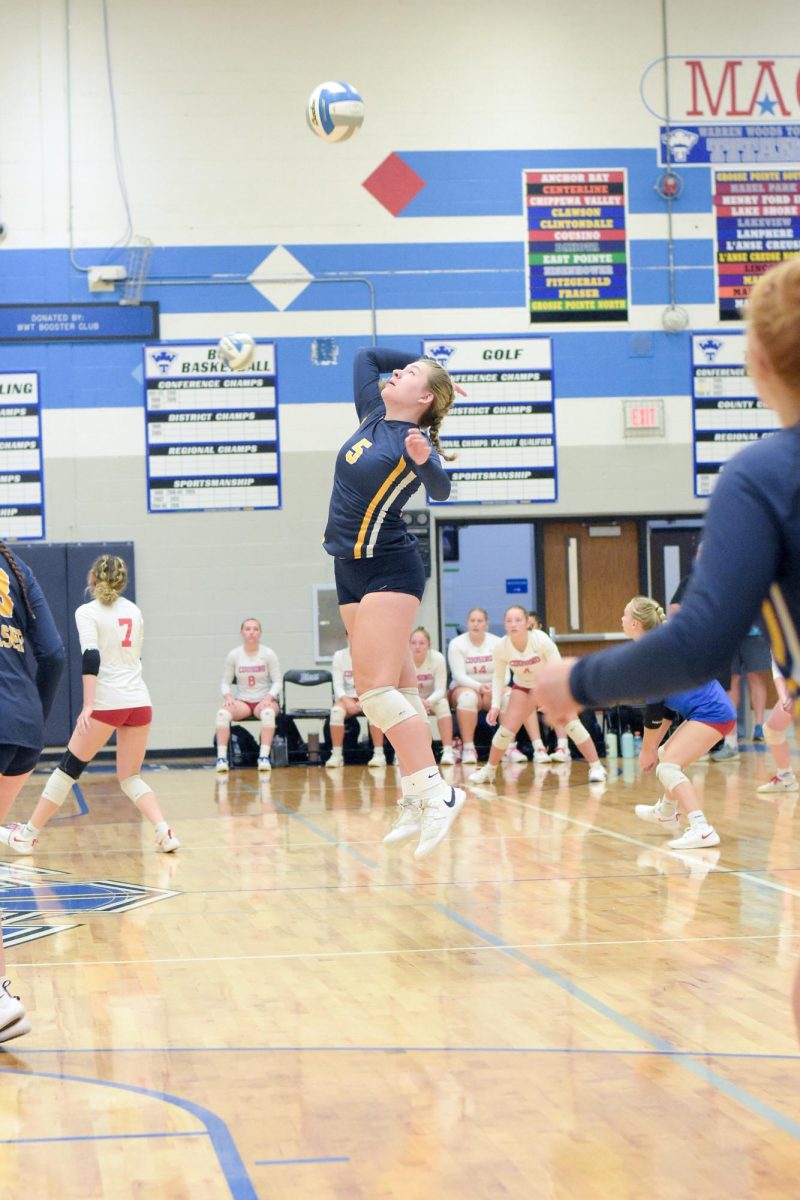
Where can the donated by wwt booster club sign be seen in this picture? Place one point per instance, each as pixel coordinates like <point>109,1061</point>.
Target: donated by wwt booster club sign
<point>212,433</point>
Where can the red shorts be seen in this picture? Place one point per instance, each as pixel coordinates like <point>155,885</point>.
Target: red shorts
<point>723,728</point>
<point>517,687</point>
<point>118,717</point>
<point>252,705</point>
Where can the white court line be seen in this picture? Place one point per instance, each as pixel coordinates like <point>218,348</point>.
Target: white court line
<point>675,855</point>
<point>471,949</point>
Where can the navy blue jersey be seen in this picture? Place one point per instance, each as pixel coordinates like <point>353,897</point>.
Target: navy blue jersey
<point>31,659</point>
<point>374,479</point>
<point>709,703</point>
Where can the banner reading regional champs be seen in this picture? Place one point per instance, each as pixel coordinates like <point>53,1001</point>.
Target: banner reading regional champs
<point>21,482</point>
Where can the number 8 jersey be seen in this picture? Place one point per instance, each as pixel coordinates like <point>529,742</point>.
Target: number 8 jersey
<point>116,630</point>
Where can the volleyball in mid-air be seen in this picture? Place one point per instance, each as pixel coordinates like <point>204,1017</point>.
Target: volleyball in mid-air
<point>334,111</point>
<point>237,350</point>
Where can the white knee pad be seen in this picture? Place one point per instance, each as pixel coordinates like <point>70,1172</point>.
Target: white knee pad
<point>441,710</point>
<point>267,718</point>
<point>223,717</point>
<point>503,738</point>
<point>135,787</point>
<point>774,737</point>
<point>578,732</point>
<point>386,707</point>
<point>337,715</point>
<point>58,787</point>
<point>415,701</point>
<point>467,701</point>
<point>670,775</point>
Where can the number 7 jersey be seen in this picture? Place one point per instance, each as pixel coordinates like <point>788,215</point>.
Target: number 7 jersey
<point>117,631</point>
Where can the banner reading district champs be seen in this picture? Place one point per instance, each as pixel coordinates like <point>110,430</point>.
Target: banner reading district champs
<point>727,414</point>
<point>758,225</point>
<point>577,247</point>
<point>503,430</point>
<point>21,485</point>
<point>212,433</point>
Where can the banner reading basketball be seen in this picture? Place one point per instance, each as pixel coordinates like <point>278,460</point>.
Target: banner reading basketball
<point>577,245</point>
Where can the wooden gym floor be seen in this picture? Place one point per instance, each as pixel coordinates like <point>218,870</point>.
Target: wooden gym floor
<point>553,1005</point>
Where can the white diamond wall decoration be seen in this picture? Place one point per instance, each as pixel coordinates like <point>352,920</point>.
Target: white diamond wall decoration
<point>289,275</point>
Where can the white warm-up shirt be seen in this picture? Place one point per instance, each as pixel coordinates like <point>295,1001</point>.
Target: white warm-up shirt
<point>471,665</point>
<point>342,671</point>
<point>432,677</point>
<point>116,630</point>
<point>255,675</point>
<point>523,664</point>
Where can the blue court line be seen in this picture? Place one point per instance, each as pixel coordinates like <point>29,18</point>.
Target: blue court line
<point>233,1169</point>
<point>289,1162</point>
<point>83,807</point>
<point>671,1053</point>
<point>731,1090</point>
<point>287,812</point>
<point>102,1137</point>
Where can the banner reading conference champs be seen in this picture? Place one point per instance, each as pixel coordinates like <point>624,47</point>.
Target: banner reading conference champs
<point>577,246</point>
<point>503,430</point>
<point>212,434</point>
<point>727,414</point>
<point>21,487</point>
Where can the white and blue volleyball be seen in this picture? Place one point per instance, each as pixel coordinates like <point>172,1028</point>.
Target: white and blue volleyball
<point>334,111</point>
<point>237,350</point>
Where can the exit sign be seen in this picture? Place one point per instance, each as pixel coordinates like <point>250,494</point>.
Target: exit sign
<point>643,418</point>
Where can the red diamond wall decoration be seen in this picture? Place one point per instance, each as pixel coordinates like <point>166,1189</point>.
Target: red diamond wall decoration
<point>394,184</point>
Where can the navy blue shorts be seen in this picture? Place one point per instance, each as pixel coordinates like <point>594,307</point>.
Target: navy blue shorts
<point>17,760</point>
<point>400,571</point>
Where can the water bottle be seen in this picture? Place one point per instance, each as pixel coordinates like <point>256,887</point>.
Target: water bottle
<point>280,751</point>
<point>612,746</point>
<point>637,743</point>
<point>628,748</point>
<point>313,749</point>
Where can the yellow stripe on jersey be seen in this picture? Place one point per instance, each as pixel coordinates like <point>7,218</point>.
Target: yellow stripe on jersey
<point>784,643</point>
<point>374,502</point>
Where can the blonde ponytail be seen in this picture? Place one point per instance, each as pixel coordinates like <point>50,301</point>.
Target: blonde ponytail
<point>108,578</point>
<point>647,611</point>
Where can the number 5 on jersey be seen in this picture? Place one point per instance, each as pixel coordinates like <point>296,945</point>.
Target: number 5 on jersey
<point>355,452</point>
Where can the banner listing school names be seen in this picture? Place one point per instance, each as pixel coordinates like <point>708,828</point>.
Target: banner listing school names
<point>577,267</point>
<point>758,225</point>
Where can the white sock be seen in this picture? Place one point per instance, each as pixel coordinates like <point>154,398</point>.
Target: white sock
<point>563,743</point>
<point>162,827</point>
<point>538,744</point>
<point>262,753</point>
<point>29,831</point>
<point>426,786</point>
<point>698,817</point>
<point>732,740</point>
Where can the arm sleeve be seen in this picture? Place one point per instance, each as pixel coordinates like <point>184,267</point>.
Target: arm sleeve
<point>741,552</point>
<point>458,669</point>
<point>369,365</point>
<point>500,675</point>
<point>439,678</point>
<point>45,641</point>
<point>276,674</point>
<point>432,476</point>
<point>229,672</point>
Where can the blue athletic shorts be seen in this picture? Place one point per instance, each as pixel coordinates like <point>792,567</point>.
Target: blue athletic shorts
<point>17,760</point>
<point>400,571</point>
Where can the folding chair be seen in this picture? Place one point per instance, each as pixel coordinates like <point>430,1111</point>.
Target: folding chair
<point>310,677</point>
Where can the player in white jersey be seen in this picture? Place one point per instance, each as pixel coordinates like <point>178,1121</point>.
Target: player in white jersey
<point>471,669</point>
<point>256,674</point>
<point>347,704</point>
<point>779,720</point>
<point>115,698</point>
<point>431,671</point>
<point>524,652</point>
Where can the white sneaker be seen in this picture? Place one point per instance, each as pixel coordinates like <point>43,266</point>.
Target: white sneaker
<point>11,1013</point>
<point>696,837</point>
<point>514,755</point>
<point>407,823</point>
<point>597,773</point>
<point>378,759</point>
<point>436,821</point>
<point>222,767</point>
<point>448,758</point>
<point>166,842</point>
<point>656,814</point>
<point>336,759</point>
<point>484,774</point>
<point>10,836</point>
<point>778,784</point>
<point>561,754</point>
<point>541,756</point>
<point>469,756</point>
<point>263,763</point>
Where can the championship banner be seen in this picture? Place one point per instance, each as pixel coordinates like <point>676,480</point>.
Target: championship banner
<point>212,433</point>
<point>726,413</point>
<point>577,268</point>
<point>758,225</point>
<point>503,430</point>
<point>21,477</point>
